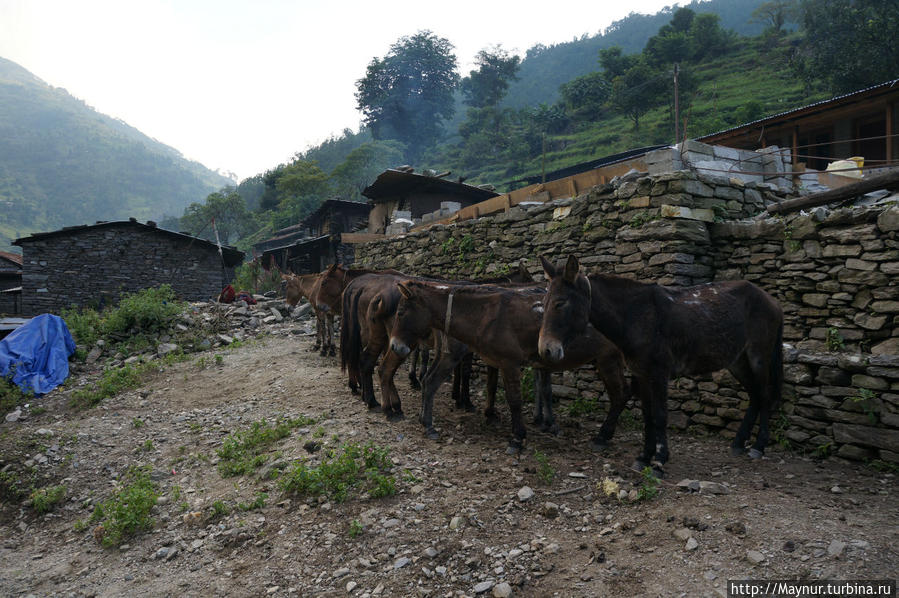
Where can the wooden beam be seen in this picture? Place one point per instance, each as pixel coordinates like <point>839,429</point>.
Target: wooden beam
<point>352,238</point>
<point>889,180</point>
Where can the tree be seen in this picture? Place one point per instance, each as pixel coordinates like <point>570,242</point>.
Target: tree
<point>638,91</point>
<point>487,85</point>
<point>227,208</point>
<point>707,37</point>
<point>363,165</point>
<point>850,44</point>
<point>615,62</point>
<point>585,96</point>
<point>407,94</point>
<point>293,191</point>
<point>775,14</point>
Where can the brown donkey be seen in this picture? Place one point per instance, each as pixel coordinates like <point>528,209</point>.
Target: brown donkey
<point>328,290</point>
<point>501,325</point>
<point>298,287</point>
<point>665,332</point>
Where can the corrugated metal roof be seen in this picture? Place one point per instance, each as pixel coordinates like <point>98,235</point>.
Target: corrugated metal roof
<point>392,183</point>
<point>810,107</point>
<point>233,257</point>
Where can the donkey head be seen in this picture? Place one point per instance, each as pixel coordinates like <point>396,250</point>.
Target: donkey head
<point>413,319</point>
<point>566,308</point>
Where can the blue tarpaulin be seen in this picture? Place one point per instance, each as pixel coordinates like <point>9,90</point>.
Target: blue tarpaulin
<point>36,354</point>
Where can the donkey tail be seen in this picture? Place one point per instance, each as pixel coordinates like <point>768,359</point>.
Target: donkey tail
<point>776,376</point>
<point>350,333</point>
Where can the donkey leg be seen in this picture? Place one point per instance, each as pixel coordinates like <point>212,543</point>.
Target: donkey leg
<point>366,368</point>
<point>743,372</point>
<point>617,389</point>
<point>492,379</point>
<point>649,432</point>
<point>457,386</point>
<point>543,382</point>
<point>465,382</point>
<point>539,400</point>
<point>326,335</point>
<point>439,372</point>
<point>318,331</point>
<point>390,397</point>
<point>413,365</point>
<point>332,346</point>
<point>512,384</point>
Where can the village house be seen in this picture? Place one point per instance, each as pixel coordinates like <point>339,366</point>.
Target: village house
<point>317,241</point>
<point>94,264</point>
<point>10,283</point>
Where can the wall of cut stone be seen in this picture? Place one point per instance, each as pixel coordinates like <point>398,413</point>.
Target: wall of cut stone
<point>96,265</point>
<point>833,272</point>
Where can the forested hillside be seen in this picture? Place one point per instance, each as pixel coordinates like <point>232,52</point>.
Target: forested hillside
<point>62,163</point>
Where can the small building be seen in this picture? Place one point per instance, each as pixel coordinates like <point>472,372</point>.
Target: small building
<point>10,283</point>
<point>861,123</point>
<point>316,242</point>
<point>94,264</point>
<point>403,195</point>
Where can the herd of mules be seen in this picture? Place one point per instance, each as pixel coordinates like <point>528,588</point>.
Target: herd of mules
<point>568,321</point>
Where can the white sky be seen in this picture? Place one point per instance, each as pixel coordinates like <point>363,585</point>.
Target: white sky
<point>242,86</point>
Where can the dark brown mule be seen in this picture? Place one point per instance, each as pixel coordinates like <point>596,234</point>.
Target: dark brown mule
<point>501,325</point>
<point>298,287</point>
<point>368,306</point>
<point>665,332</point>
<point>327,292</point>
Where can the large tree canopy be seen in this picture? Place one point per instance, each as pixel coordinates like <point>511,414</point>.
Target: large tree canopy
<point>487,85</point>
<point>851,44</point>
<point>409,93</point>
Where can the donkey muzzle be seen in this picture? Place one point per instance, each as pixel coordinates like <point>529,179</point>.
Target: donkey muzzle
<point>399,347</point>
<point>550,349</point>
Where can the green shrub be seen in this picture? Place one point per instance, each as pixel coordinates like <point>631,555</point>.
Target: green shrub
<point>545,470</point>
<point>11,396</point>
<point>111,383</point>
<point>354,467</point>
<point>650,487</point>
<point>149,310</point>
<point>44,499</point>
<point>127,512</point>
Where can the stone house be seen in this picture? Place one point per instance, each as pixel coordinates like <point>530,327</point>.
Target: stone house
<point>317,241</point>
<point>93,264</point>
<point>10,283</point>
<point>401,196</point>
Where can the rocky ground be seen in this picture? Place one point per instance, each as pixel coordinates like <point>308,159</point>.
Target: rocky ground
<point>466,519</point>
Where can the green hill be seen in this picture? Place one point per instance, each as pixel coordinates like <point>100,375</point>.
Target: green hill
<point>63,163</point>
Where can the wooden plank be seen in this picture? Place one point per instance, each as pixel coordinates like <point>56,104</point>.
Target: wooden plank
<point>884,181</point>
<point>352,238</point>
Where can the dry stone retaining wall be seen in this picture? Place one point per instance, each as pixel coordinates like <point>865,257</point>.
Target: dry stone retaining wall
<point>833,272</point>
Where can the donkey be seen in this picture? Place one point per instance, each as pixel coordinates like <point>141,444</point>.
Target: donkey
<point>665,332</point>
<point>502,326</point>
<point>328,290</point>
<point>298,287</point>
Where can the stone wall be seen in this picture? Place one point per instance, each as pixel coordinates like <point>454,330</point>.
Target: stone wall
<point>833,272</point>
<point>96,264</point>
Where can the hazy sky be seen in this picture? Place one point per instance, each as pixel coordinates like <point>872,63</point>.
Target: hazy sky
<point>242,86</point>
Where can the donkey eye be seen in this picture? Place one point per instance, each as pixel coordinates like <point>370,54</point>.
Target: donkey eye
<point>559,304</point>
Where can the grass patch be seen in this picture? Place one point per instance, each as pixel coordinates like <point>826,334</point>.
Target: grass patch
<point>582,406</point>
<point>111,383</point>
<point>43,500</point>
<point>244,451</point>
<point>257,503</point>
<point>545,471</point>
<point>649,489</point>
<point>127,512</point>
<point>11,396</point>
<point>363,468</point>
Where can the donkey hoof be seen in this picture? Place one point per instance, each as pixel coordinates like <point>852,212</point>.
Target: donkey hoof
<point>491,414</point>
<point>754,453</point>
<point>395,416</point>
<point>515,447</point>
<point>469,407</point>
<point>432,434</point>
<point>415,384</point>
<point>639,464</point>
<point>332,352</point>
<point>373,406</point>
<point>599,444</point>
<point>658,472</point>
<point>736,451</point>
<point>550,428</point>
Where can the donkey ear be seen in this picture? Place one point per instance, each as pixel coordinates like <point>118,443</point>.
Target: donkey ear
<point>548,268</point>
<point>404,290</point>
<point>571,269</point>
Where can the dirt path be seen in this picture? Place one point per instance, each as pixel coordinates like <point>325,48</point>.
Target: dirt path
<point>456,525</point>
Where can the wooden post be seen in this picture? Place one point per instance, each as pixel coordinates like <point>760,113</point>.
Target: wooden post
<point>889,133</point>
<point>676,108</point>
<point>572,187</point>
